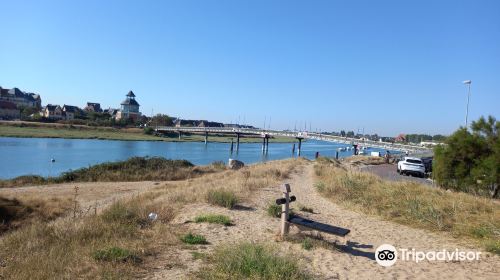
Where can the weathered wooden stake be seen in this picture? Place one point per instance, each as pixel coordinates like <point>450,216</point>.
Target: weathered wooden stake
<point>285,210</point>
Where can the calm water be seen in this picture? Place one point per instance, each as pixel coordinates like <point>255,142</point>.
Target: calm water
<point>22,156</point>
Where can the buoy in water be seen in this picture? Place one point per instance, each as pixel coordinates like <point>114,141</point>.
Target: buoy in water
<point>52,160</point>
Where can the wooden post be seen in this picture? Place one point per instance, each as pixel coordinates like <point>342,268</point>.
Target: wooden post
<point>231,145</point>
<point>285,210</point>
<point>293,149</point>
<point>206,137</point>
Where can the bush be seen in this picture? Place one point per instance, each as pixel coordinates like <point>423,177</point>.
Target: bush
<point>251,261</point>
<point>219,165</point>
<point>213,219</point>
<point>222,198</point>
<point>193,239</point>
<point>274,210</point>
<point>470,160</point>
<point>115,254</point>
<point>307,243</point>
<point>149,130</point>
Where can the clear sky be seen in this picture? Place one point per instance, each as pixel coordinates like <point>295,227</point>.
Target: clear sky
<point>385,66</point>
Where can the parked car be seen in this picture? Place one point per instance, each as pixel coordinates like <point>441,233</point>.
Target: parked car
<point>411,166</point>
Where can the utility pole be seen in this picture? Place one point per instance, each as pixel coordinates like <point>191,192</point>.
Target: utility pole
<point>468,83</point>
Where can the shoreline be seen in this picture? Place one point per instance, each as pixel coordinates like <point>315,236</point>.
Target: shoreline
<point>67,131</point>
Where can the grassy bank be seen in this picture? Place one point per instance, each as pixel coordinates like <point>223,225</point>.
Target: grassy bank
<point>462,215</point>
<point>133,169</point>
<point>122,242</point>
<point>49,130</point>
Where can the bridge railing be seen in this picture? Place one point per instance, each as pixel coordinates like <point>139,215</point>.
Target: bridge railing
<point>308,135</point>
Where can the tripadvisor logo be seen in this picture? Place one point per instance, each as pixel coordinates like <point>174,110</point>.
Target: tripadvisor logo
<point>387,255</point>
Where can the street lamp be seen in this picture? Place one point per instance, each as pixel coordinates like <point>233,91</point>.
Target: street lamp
<point>467,82</point>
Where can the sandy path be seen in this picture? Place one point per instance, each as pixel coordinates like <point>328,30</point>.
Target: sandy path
<point>356,259</point>
<point>351,258</point>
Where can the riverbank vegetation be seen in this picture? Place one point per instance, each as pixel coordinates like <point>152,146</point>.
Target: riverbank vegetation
<point>470,159</point>
<point>123,242</point>
<point>74,131</point>
<point>133,169</point>
<point>462,215</point>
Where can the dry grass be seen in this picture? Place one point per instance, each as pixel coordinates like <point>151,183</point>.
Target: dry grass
<point>100,246</point>
<point>364,160</point>
<point>460,214</point>
<point>133,169</point>
<point>15,213</point>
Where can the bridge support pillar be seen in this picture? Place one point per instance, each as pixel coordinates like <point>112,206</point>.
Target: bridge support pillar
<point>206,137</point>
<point>263,144</point>
<point>267,144</point>
<point>180,135</point>
<point>237,141</point>
<point>300,145</point>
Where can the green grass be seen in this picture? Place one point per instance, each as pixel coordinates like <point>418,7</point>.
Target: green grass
<point>133,169</point>
<point>307,244</point>
<point>213,219</point>
<point>222,198</point>
<point>115,254</point>
<point>274,210</point>
<point>194,239</point>
<point>252,261</point>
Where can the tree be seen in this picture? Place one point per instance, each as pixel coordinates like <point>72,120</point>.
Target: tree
<point>350,134</point>
<point>470,161</point>
<point>342,133</point>
<point>162,120</point>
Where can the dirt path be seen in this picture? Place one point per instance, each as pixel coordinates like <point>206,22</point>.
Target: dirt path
<point>348,258</point>
<point>355,259</point>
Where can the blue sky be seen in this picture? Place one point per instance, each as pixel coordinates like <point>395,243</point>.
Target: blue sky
<point>385,66</point>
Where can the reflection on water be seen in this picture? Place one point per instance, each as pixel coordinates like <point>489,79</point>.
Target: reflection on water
<point>22,156</point>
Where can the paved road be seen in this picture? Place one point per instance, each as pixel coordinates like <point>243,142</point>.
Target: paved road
<point>388,171</point>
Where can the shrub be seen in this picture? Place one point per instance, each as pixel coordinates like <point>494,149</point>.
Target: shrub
<point>274,210</point>
<point>470,160</point>
<point>251,261</point>
<point>305,209</point>
<point>222,198</point>
<point>115,254</point>
<point>149,130</point>
<point>213,219</point>
<point>307,243</point>
<point>193,239</point>
<point>219,165</point>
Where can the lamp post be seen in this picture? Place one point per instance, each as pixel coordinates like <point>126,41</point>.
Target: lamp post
<point>467,82</point>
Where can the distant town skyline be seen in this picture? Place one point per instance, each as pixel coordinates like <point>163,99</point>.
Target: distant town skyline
<point>387,67</point>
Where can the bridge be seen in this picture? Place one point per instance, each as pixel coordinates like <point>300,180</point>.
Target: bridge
<point>266,134</point>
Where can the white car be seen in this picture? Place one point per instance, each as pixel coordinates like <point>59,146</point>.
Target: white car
<point>411,166</point>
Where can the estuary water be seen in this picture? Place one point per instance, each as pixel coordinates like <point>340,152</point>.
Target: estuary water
<point>24,156</point>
